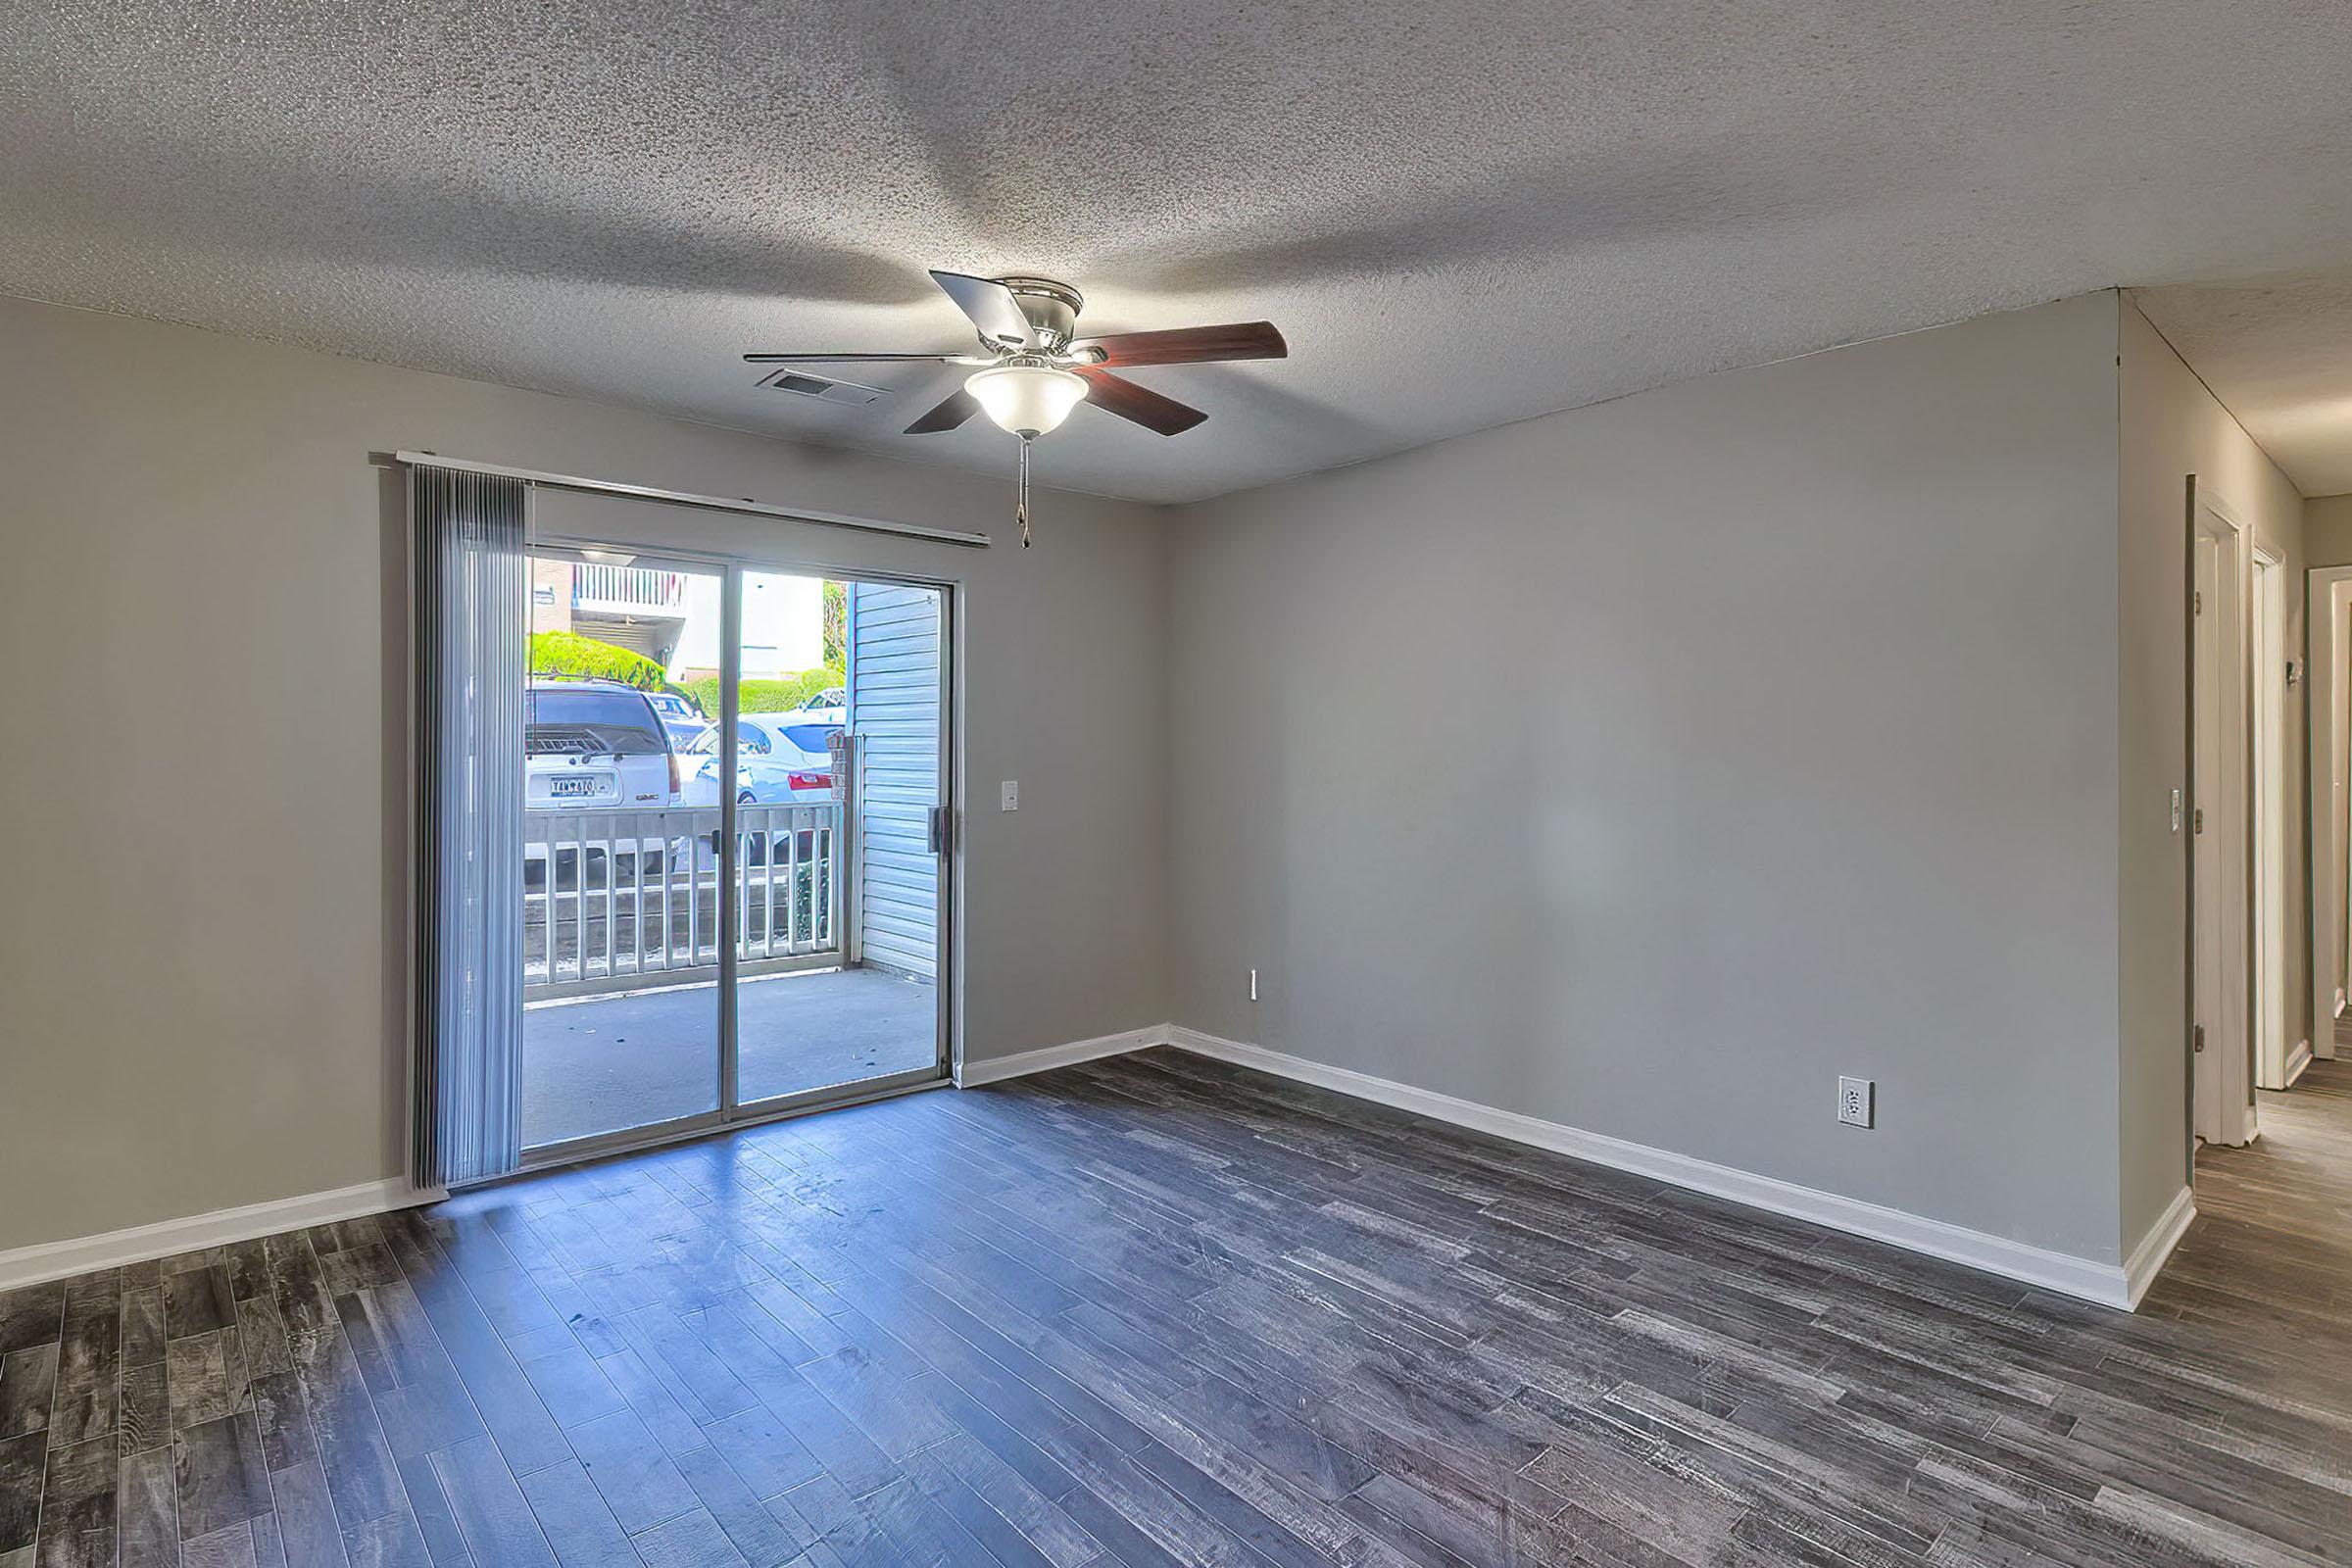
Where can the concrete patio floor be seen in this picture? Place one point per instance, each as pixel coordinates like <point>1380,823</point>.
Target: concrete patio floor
<point>601,1064</point>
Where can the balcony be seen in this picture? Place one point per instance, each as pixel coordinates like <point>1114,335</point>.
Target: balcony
<point>620,967</point>
<point>614,898</point>
<point>602,590</point>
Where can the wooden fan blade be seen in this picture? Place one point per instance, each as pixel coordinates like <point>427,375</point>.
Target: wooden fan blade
<point>850,359</point>
<point>990,304</point>
<point>1115,394</point>
<point>952,411</point>
<point>1187,345</point>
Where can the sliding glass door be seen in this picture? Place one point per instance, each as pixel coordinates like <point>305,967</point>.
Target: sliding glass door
<point>736,868</point>
<point>837,795</point>
<point>622,908</point>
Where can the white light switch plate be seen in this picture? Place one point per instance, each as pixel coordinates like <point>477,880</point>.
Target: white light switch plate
<point>1009,795</point>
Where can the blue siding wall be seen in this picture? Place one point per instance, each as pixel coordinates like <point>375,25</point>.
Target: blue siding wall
<point>894,711</point>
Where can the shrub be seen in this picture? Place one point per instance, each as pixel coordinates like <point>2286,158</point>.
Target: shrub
<point>567,653</point>
<point>766,696</point>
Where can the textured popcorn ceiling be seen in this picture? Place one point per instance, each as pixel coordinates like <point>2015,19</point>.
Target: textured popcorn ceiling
<point>2277,350</point>
<point>1461,214</point>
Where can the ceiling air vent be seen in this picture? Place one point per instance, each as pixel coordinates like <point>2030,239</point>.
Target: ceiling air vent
<point>821,388</point>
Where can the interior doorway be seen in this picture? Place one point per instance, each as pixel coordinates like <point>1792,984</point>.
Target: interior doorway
<point>724,915</point>
<point>2221,828</point>
<point>2274,1060</point>
<point>2328,622</point>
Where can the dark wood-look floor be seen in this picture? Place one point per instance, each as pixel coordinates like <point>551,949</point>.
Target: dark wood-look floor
<point>1154,1310</point>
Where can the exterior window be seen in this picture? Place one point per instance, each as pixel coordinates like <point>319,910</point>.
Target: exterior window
<point>617,723</point>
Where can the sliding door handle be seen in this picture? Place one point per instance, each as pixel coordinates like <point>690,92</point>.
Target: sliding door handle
<point>943,830</point>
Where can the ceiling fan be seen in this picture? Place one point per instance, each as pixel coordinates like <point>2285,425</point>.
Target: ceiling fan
<point>1033,368</point>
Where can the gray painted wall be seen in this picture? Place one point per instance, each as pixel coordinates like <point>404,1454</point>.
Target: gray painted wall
<point>1645,767</point>
<point>2328,530</point>
<point>201,956</point>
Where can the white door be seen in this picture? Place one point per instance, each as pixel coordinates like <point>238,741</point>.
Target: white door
<point>2220,825</point>
<point>2205,860</point>
<point>2328,602</point>
<point>2269,679</point>
<point>2341,767</point>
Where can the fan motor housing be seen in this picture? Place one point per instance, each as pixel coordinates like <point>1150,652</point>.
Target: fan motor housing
<point>1051,307</point>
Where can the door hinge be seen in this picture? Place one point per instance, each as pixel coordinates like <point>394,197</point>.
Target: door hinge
<point>2197,820</point>
<point>2197,1039</point>
<point>2196,602</point>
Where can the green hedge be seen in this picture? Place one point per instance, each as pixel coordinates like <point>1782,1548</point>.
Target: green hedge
<point>567,653</point>
<point>766,696</point>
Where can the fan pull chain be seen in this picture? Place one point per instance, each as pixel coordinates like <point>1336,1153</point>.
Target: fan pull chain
<point>1020,509</point>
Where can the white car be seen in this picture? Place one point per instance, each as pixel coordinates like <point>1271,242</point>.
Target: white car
<point>779,758</point>
<point>679,720</point>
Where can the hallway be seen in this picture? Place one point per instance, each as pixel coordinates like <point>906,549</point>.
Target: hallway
<point>2271,1246</point>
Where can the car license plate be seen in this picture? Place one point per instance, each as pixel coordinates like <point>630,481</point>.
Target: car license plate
<point>566,787</point>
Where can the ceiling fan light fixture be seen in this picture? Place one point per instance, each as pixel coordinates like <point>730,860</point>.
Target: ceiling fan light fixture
<point>1027,400</point>
<point>1028,337</point>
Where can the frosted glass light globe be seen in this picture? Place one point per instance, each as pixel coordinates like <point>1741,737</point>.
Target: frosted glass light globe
<point>1026,399</point>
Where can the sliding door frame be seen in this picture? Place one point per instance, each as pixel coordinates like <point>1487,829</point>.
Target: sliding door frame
<point>947,988</point>
<point>946,880</point>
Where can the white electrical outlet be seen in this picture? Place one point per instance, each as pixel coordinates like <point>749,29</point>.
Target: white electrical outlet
<point>1854,1102</point>
<point>1009,795</point>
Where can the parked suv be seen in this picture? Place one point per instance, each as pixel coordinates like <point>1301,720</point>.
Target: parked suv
<point>591,743</point>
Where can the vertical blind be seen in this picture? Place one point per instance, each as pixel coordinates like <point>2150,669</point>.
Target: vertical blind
<point>472,623</point>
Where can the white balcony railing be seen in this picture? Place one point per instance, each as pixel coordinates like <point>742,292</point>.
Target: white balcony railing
<point>627,590</point>
<point>613,898</point>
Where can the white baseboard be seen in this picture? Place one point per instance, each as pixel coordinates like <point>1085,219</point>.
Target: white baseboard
<point>2086,1279</point>
<point>50,1261</point>
<point>995,1070</point>
<point>2297,1060</point>
<point>2107,1284</point>
<point>2147,1259</point>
